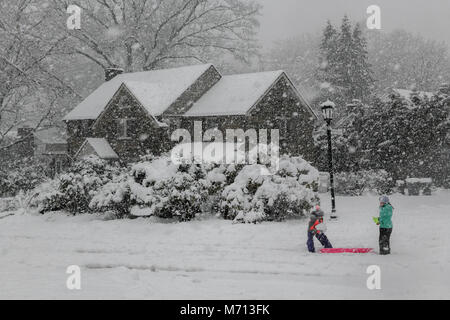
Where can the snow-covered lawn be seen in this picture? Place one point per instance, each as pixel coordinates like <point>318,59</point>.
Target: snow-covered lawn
<point>212,258</point>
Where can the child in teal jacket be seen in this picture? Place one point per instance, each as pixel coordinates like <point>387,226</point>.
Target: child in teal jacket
<point>385,222</point>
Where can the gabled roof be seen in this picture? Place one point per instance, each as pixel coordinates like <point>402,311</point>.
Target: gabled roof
<point>234,94</point>
<point>156,90</point>
<point>123,86</point>
<point>238,94</point>
<point>407,93</point>
<point>51,136</point>
<point>99,146</point>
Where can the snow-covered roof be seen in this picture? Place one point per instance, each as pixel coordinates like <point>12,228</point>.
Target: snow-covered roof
<point>156,90</point>
<point>100,146</point>
<point>419,180</point>
<point>234,94</point>
<point>51,136</point>
<point>406,94</point>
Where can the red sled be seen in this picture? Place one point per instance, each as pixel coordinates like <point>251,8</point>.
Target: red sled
<point>346,250</point>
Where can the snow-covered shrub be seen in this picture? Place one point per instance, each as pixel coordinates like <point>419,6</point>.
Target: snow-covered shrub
<point>47,197</point>
<point>218,177</point>
<point>114,197</point>
<point>357,183</point>
<point>250,217</point>
<point>237,197</point>
<point>163,189</point>
<point>350,183</point>
<point>76,188</point>
<point>291,191</point>
<point>23,176</point>
<point>4,184</point>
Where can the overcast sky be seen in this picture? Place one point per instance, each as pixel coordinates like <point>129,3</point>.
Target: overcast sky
<point>285,18</point>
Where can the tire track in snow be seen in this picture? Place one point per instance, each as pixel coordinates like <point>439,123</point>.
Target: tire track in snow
<point>155,268</point>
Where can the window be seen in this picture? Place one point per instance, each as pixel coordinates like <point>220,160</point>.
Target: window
<point>123,128</point>
<point>58,166</point>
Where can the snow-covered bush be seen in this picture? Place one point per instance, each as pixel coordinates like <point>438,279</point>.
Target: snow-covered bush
<point>163,189</point>
<point>357,183</point>
<point>114,196</point>
<point>157,187</point>
<point>291,191</point>
<point>74,190</point>
<point>237,197</point>
<point>23,176</point>
<point>47,197</point>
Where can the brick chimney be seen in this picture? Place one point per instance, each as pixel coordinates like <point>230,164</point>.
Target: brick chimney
<point>112,72</point>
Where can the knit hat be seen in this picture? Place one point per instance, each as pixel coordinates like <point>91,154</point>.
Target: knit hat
<point>384,199</point>
<point>317,212</point>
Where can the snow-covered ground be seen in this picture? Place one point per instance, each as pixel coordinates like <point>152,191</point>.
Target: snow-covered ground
<point>212,258</point>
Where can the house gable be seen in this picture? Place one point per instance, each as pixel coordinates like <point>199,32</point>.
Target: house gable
<point>143,131</point>
<point>283,93</point>
<point>297,99</point>
<point>283,108</point>
<point>124,103</point>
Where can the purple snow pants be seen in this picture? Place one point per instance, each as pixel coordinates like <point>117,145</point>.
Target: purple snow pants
<point>321,237</point>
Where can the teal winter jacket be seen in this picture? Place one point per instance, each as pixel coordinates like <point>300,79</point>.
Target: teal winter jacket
<point>386,216</point>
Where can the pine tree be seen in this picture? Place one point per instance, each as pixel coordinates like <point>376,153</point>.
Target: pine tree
<point>406,138</point>
<point>362,80</point>
<point>344,71</point>
<point>328,47</point>
<point>345,58</point>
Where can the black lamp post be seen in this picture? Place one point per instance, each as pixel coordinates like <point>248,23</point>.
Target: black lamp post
<point>327,111</point>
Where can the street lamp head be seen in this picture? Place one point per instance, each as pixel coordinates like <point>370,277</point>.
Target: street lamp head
<point>327,110</point>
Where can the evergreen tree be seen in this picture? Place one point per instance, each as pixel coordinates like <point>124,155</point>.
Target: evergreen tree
<point>328,47</point>
<point>407,137</point>
<point>345,58</point>
<point>344,71</point>
<point>362,80</point>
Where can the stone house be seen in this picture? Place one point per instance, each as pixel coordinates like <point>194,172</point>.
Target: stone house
<point>50,149</point>
<point>47,146</point>
<point>134,114</point>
